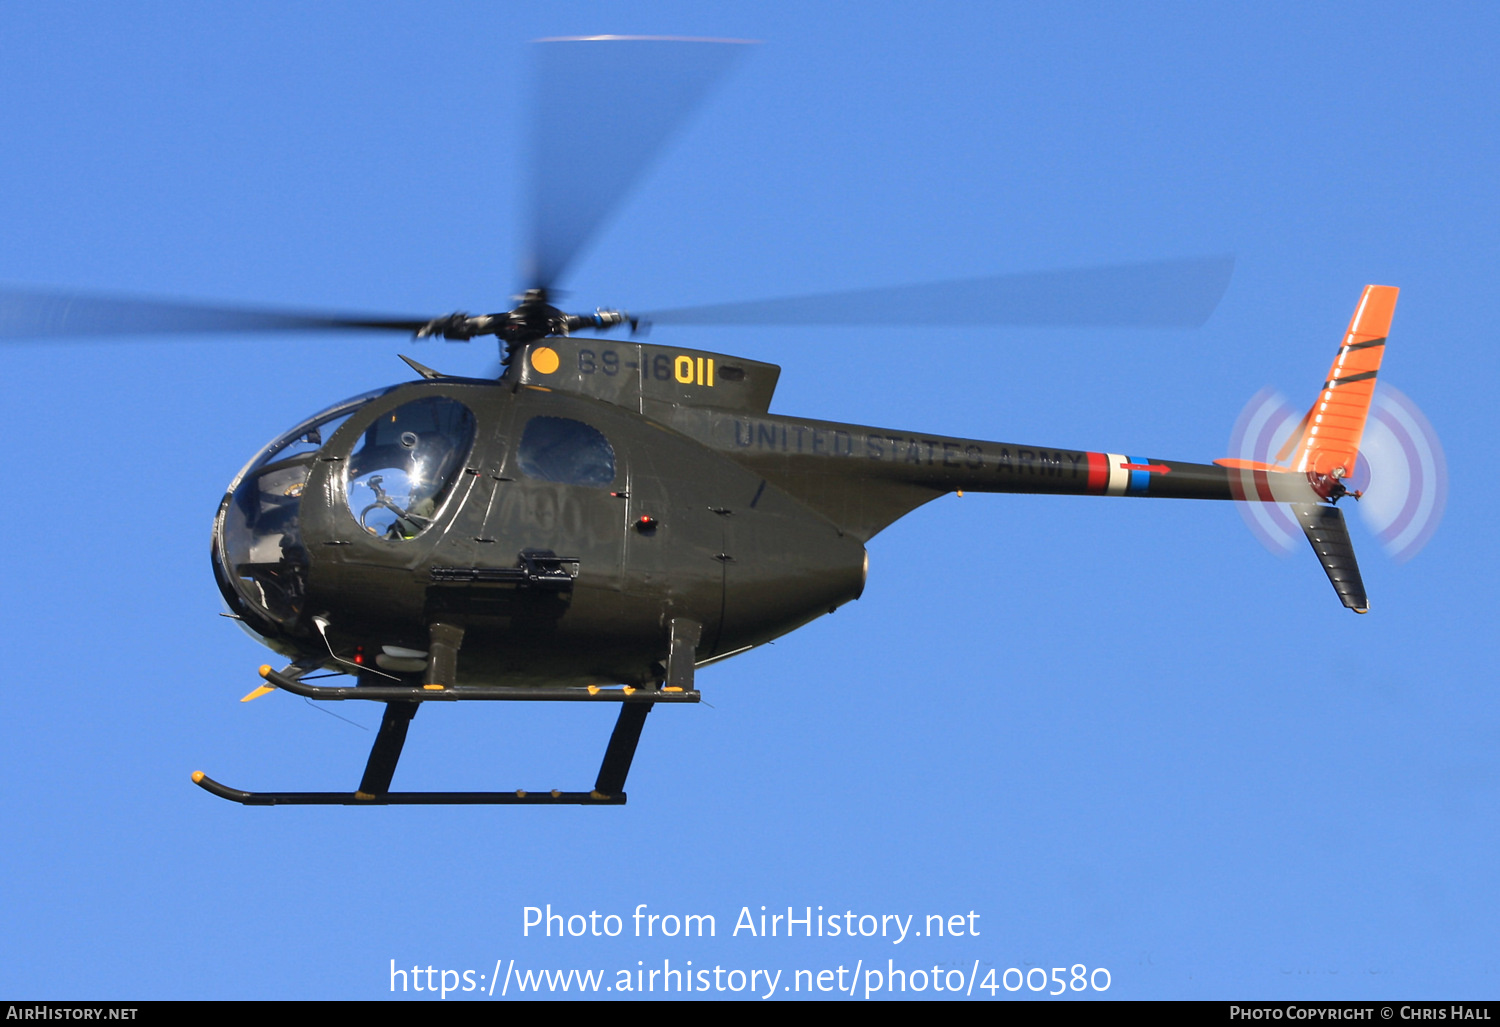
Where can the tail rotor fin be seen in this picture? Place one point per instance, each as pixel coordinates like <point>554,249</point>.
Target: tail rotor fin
<point>1327,444</point>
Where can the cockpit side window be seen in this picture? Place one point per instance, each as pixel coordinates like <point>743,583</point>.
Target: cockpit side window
<point>561,449</point>
<point>405,466</point>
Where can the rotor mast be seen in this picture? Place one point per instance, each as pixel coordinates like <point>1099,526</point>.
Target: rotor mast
<point>533,319</point>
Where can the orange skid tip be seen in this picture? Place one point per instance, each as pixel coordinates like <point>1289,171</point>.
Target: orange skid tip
<point>197,777</point>
<point>265,670</point>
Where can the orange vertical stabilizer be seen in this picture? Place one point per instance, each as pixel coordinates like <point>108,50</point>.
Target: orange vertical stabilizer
<point>1328,443</point>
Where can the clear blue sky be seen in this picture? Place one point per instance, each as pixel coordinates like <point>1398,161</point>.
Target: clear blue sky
<point>1119,731</point>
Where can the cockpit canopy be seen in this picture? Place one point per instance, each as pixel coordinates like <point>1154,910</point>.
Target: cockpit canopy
<point>401,469</point>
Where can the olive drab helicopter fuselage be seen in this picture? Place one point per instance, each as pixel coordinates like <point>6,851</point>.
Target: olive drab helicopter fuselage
<point>560,527</point>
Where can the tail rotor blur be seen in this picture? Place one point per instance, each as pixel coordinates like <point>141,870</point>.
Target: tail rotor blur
<point>1402,474</point>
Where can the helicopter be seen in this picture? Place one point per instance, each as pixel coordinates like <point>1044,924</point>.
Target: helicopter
<point>606,516</point>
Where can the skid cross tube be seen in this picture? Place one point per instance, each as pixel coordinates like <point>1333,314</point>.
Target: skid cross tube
<point>403,701</point>
<point>492,693</point>
<point>621,750</point>
<point>386,752</point>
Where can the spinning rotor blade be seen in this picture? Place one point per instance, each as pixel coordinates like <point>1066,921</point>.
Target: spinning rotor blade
<point>604,107</point>
<point>39,314</point>
<point>1167,294</point>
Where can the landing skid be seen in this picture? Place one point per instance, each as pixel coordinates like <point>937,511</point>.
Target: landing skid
<point>518,798</point>
<point>402,702</point>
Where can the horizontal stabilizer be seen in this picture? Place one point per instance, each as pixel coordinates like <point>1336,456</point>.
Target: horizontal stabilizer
<point>1325,529</point>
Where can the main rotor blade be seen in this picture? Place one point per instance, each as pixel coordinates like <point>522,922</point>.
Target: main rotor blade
<point>40,314</point>
<point>1167,293</point>
<point>604,108</point>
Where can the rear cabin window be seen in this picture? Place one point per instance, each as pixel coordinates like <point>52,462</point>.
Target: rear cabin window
<point>561,449</point>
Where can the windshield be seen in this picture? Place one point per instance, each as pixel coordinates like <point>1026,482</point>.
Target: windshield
<point>259,540</point>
